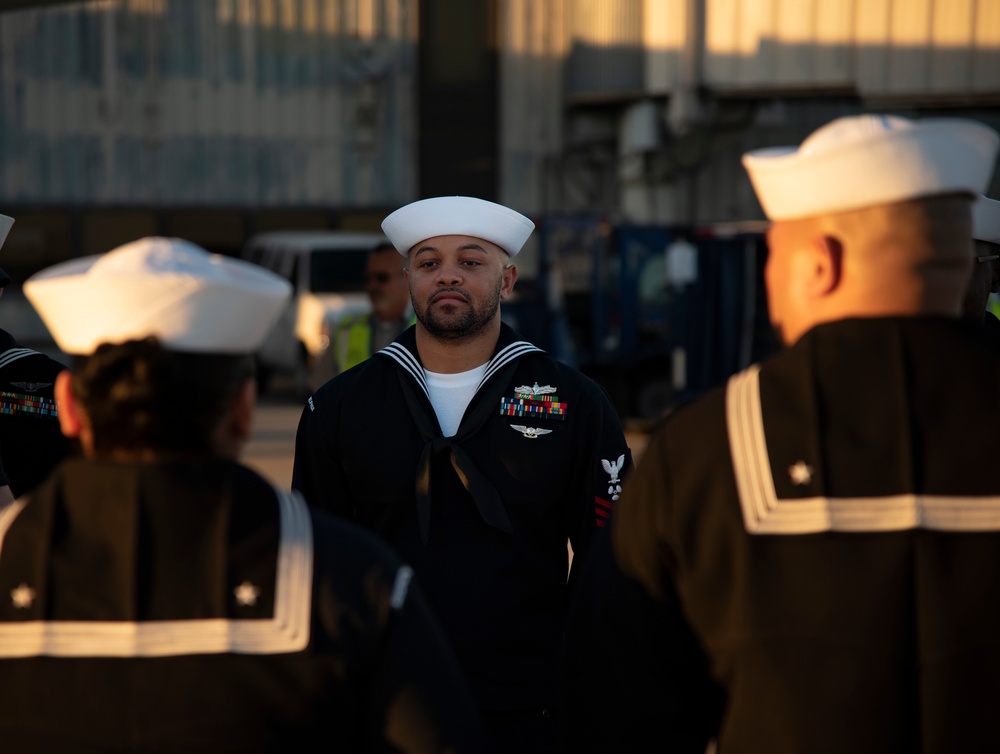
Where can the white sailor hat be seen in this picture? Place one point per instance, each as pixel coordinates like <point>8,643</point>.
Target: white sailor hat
<point>986,220</point>
<point>189,299</point>
<point>866,160</point>
<point>457,216</point>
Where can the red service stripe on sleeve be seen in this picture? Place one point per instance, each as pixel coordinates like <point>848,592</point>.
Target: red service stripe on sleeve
<point>601,513</point>
<point>601,501</point>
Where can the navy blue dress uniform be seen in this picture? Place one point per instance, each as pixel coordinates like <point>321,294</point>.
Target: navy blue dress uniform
<point>193,607</point>
<point>31,444</point>
<point>179,602</point>
<point>483,515</point>
<point>808,559</point>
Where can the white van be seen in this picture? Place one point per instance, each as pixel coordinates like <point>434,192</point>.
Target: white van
<point>327,272</point>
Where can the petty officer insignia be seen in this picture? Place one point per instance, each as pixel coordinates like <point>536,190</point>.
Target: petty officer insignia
<point>603,508</point>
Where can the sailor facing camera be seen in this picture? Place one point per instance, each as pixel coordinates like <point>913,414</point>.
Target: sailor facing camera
<point>155,595</point>
<point>476,455</point>
<point>813,551</point>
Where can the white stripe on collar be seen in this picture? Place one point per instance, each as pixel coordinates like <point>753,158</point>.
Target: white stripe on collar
<point>7,516</point>
<point>506,354</point>
<point>13,354</point>
<point>409,362</point>
<point>287,631</point>
<point>764,513</point>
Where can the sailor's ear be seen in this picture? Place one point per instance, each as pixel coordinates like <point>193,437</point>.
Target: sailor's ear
<point>72,419</point>
<point>826,262</point>
<point>507,281</point>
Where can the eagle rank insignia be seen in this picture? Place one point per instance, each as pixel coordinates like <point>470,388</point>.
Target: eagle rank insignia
<point>614,481</point>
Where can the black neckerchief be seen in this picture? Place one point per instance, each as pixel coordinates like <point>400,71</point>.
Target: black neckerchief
<point>499,371</point>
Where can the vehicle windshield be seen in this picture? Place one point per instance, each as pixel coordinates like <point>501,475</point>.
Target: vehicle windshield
<point>337,270</point>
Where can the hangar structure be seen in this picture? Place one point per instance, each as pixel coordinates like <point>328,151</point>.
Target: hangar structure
<point>215,119</point>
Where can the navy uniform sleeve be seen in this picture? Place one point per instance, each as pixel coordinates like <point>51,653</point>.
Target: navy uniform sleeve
<point>316,469</point>
<point>637,677</point>
<point>418,697</point>
<point>377,628</point>
<point>603,461</point>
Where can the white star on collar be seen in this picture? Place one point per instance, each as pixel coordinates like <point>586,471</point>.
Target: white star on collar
<point>800,473</point>
<point>246,594</point>
<point>23,596</point>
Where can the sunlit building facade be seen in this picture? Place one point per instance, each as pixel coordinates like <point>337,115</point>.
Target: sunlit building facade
<point>643,107</point>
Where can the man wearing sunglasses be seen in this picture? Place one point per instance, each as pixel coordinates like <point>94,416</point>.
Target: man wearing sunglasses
<point>359,336</point>
<point>985,267</point>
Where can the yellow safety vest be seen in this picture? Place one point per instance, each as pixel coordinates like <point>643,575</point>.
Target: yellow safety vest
<point>353,343</point>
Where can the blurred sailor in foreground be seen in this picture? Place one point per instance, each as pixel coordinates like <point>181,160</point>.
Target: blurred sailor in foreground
<point>819,541</point>
<point>156,595</point>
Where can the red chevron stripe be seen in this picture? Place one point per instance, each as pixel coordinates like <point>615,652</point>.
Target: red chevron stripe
<point>602,502</point>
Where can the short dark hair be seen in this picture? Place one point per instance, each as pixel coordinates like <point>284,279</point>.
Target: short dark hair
<point>138,395</point>
<point>383,246</point>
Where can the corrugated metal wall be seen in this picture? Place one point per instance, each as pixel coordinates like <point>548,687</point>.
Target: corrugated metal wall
<point>726,75</point>
<point>232,102</point>
<point>533,43</point>
<point>883,48</point>
<point>605,53</point>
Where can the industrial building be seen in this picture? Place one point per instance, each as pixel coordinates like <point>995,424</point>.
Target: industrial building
<point>213,119</point>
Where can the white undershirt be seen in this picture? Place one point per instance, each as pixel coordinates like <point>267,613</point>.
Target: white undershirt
<point>450,395</point>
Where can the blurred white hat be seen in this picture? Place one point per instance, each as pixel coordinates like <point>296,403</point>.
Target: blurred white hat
<point>189,299</point>
<point>457,216</point>
<point>986,220</point>
<point>866,160</point>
